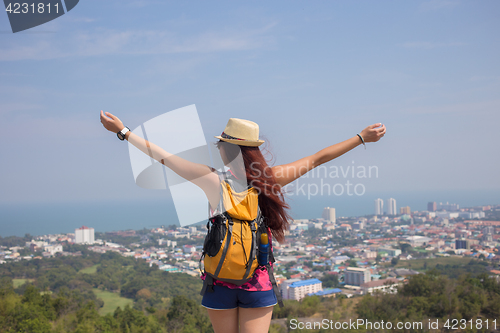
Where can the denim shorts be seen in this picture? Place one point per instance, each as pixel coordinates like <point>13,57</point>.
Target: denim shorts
<point>224,298</point>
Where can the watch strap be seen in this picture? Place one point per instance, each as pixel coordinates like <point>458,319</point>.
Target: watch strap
<point>121,134</point>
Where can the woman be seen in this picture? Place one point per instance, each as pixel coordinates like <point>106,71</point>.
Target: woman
<point>247,308</point>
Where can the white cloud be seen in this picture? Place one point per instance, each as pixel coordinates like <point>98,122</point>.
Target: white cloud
<point>39,50</point>
<point>143,42</point>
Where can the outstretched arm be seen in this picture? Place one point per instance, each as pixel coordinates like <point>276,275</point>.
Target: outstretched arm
<point>287,173</point>
<point>199,174</point>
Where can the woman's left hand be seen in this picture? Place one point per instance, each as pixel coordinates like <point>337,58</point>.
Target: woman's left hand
<point>373,133</point>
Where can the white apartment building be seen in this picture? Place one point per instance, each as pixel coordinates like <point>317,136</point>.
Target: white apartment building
<point>298,289</point>
<point>385,286</point>
<point>472,215</point>
<point>314,225</point>
<point>189,248</point>
<point>84,235</point>
<point>53,248</point>
<point>329,214</point>
<point>285,285</point>
<point>369,254</point>
<point>355,276</point>
<point>418,240</point>
<point>379,206</point>
<point>391,207</point>
<point>448,215</point>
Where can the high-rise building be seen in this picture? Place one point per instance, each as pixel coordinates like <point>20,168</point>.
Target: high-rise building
<point>462,244</point>
<point>329,214</point>
<point>357,276</point>
<point>488,230</point>
<point>391,207</point>
<point>405,210</point>
<point>84,235</point>
<point>432,206</point>
<point>379,206</point>
<point>358,225</point>
<point>448,207</point>
<point>488,233</point>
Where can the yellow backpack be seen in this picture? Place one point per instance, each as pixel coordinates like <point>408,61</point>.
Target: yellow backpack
<point>230,247</point>
<point>230,250</point>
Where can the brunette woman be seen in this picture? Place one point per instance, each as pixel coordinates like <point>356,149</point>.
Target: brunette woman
<point>247,308</point>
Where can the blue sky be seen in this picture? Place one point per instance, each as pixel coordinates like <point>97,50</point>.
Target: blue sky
<point>310,73</point>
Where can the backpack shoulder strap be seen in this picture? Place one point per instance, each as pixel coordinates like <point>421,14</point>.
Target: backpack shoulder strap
<point>275,286</point>
<point>222,178</point>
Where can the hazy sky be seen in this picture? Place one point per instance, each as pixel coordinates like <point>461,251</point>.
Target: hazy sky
<point>311,73</point>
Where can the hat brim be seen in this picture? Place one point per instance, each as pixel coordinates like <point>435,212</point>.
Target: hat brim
<point>246,143</point>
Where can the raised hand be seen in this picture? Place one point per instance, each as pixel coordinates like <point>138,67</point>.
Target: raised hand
<point>373,133</point>
<point>111,122</point>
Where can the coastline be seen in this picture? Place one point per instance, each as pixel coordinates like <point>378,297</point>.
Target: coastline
<point>53,218</point>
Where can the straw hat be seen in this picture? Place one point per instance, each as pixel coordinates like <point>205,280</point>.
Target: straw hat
<point>241,132</point>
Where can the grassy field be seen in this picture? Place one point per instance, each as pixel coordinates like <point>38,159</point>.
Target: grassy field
<point>20,282</point>
<point>418,264</point>
<point>111,301</point>
<point>90,270</point>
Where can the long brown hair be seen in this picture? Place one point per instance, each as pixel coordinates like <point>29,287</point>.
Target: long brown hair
<point>271,200</point>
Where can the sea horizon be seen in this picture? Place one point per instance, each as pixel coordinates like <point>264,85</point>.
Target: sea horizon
<point>64,217</point>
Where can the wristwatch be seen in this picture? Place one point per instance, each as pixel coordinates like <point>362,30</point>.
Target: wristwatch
<point>121,134</point>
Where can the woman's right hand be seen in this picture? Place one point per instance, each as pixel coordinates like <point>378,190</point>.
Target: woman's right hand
<point>111,123</point>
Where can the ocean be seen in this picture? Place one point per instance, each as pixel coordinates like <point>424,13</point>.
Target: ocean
<point>58,217</point>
